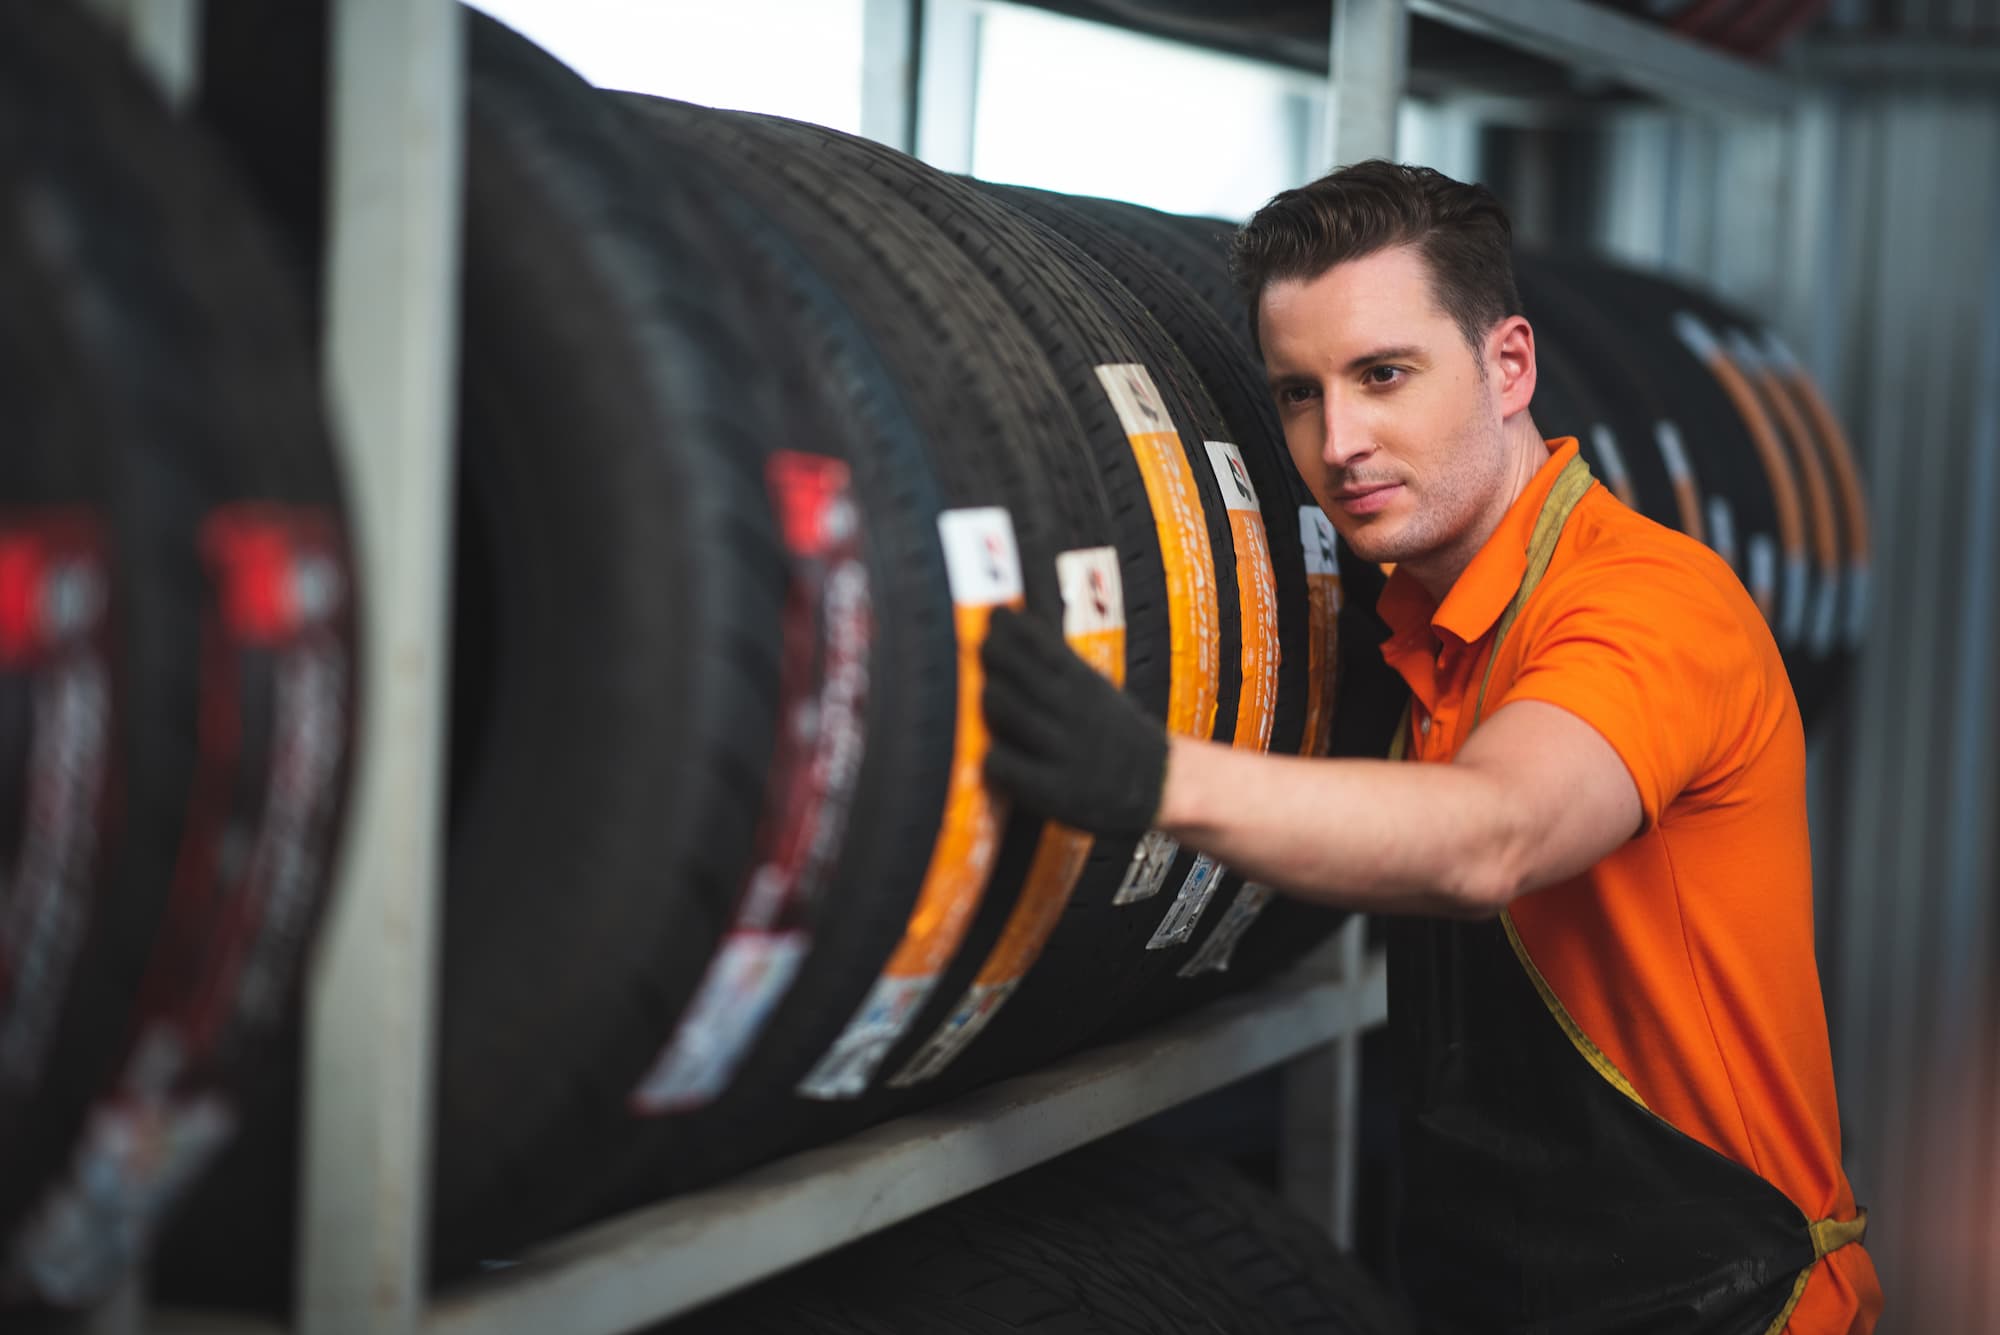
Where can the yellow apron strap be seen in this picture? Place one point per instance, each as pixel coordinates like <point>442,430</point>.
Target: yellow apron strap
<point>1571,483</point>
<point>1399,745</point>
<point>1830,1235</point>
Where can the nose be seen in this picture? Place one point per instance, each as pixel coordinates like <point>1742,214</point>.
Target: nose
<point>1344,438</point>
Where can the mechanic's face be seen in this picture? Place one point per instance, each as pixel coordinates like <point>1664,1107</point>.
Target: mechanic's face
<point>1386,411</point>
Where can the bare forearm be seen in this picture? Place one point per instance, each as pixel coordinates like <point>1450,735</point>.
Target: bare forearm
<point>1363,834</point>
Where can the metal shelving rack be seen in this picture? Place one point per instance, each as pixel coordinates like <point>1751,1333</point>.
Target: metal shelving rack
<point>392,241</point>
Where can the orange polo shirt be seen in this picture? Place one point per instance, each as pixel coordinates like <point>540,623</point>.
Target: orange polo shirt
<point>1687,953</point>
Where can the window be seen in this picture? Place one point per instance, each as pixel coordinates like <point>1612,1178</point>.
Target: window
<point>797,58</point>
<point>1085,108</point>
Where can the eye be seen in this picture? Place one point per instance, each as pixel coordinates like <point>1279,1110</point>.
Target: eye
<point>1381,376</point>
<point>1292,395</point>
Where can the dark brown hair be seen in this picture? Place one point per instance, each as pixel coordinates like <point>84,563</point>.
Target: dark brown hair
<point>1461,231</point>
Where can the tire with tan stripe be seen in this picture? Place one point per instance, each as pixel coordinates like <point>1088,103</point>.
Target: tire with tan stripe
<point>1628,432</point>
<point>1758,461</point>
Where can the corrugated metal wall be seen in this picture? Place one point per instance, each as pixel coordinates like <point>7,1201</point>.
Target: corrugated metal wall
<point>1908,340</point>
<point>1868,231</point>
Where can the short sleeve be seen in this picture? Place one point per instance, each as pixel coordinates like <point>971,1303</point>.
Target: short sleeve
<point>1652,652</point>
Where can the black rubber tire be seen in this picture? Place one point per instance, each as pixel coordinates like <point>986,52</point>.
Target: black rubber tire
<point>1612,369</point>
<point>1081,318</point>
<point>1183,280</point>
<point>1130,1237</point>
<point>156,329</point>
<point>604,782</point>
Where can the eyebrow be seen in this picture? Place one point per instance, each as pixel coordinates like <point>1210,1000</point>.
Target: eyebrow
<point>1401,352</point>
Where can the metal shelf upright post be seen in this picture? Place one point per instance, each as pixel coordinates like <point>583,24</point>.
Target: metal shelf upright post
<point>1367,67</point>
<point>391,268</point>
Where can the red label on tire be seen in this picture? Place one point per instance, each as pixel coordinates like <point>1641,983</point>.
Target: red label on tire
<point>274,725</point>
<point>55,758</point>
<point>828,628</point>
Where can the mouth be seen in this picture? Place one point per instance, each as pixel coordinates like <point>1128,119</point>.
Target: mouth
<point>1366,500</point>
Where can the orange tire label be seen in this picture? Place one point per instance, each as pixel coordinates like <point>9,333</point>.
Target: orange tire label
<point>1194,620</point>
<point>1316,534</point>
<point>984,567</point>
<point>1094,625</point>
<point>1257,597</point>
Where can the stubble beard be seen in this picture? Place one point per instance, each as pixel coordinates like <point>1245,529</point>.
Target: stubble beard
<point>1439,514</point>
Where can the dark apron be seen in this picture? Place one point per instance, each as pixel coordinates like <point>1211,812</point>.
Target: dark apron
<point>1541,1194</point>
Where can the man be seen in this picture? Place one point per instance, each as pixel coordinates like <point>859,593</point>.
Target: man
<point>1618,1103</point>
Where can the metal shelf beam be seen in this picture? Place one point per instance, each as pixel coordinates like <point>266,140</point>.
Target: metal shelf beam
<point>1925,61</point>
<point>1598,41</point>
<point>669,1258</point>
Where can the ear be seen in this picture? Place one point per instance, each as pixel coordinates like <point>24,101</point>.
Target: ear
<point>1510,363</point>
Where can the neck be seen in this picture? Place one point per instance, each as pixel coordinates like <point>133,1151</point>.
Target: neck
<point>1525,453</point>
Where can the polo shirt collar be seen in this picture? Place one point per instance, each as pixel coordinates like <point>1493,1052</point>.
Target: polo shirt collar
<point>1473,604</point>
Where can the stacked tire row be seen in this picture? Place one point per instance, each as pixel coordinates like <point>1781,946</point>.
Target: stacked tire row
<point>176,655</point>
<point>758,422</point>
<point>1132,1236</point>
<point>1700,419</point>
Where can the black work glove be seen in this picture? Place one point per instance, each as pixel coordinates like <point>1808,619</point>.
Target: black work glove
<point>1067,744</point>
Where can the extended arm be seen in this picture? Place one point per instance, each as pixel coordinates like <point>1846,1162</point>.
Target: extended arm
<point>1536,795</point>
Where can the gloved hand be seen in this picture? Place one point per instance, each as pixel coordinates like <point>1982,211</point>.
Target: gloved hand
<point>1067,744</point>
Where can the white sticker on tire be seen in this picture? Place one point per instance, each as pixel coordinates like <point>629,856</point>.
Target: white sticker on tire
<point>980,557</point>
<point>1764,569</point>
<point>1093,591</point>
<point>1146,875</point>
<point>982,1001</point>
<point>1318,537</point>
<point>1826,615</point>
<point>1857,604</point>
<point>1232,476</point>
<point>1673,452</point>
<point>1722,530</point>
<point>1185,911</point>
<point>137,1153</point>
<point>846,1069</point>
<point>1610,458</point>
<point>1797,582</point>
<point>744,981</point>
<point>1216,952</point>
